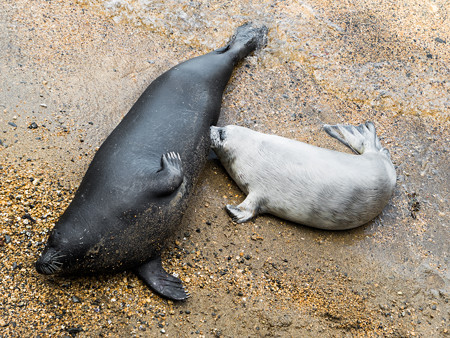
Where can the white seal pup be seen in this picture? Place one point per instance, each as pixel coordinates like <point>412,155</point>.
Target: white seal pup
<point>305,184</point>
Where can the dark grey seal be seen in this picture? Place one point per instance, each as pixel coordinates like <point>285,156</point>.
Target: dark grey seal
<point>305,184</point>
<point>136,188</point>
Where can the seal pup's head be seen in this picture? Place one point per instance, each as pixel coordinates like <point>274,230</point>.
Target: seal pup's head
<point>223,140</point>
<point>218,137</point>
<point>234,144</point>
<point>229,137</point>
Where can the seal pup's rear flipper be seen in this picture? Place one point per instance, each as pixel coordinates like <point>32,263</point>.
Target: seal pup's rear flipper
<point>360,139</point>
<point>160,281</point>
<point>170,176</point>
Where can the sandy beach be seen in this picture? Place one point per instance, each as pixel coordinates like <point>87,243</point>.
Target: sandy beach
<point>71,70</point>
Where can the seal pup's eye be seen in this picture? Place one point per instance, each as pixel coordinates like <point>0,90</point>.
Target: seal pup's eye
<point>222,134</point>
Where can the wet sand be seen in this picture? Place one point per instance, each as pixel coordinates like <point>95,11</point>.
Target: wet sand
<point>74,70</point>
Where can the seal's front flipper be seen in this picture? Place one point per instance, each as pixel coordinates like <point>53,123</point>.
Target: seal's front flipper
<point>244,211</point>
<point>161,282</point>
<point>239,215</point>
<point>360,139</point>
<point>170,176</point>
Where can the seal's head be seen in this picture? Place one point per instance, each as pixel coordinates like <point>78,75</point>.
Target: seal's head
<point>218,137</point>
<point>229,137</point>
<point>229,142</point>
<point>72,247</point>
<point>61,252</point>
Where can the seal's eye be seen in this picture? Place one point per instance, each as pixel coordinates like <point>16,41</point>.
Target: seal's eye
<point>222,135</point>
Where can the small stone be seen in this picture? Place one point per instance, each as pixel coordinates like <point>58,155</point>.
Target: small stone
<point>74,330</point>
<point>163,331</point>
<point>433,307</point>
<point>12,124</point>
<point>43,105</point>
<point>7,239</point>
<point>75,299</point>
<point>33,125</point>
<point>439,40</point>
<point>285,321</point>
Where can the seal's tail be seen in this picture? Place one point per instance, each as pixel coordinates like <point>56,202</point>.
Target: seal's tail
<point>360,139</point>
<point>245,40</point>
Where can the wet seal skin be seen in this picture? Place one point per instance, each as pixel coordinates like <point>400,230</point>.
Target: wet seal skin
<point>305,184</point>
<point>136,188</point>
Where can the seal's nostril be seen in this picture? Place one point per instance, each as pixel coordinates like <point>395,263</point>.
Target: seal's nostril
<point>221,134</point>
<point>49,262</point>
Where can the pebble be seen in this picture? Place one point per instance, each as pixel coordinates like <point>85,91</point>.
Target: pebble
<point>163,331</point>
<point>7,239</point>
<point>12,124</point>
<point>74,330</point>
<point>33,125</point>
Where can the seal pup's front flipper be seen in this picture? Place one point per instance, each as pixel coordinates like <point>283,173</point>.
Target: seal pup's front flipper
<point>244,211</point>
<point>360,139</point>
<point>170,176</point>
<point>160,281</point>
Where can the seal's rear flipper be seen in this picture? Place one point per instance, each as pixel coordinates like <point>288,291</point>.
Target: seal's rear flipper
<point>246,39</point>
<point>360,139</point>
<point>170,176</point>
<point>160,281</point>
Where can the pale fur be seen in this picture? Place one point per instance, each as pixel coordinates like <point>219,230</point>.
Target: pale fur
<point>306,184</point>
